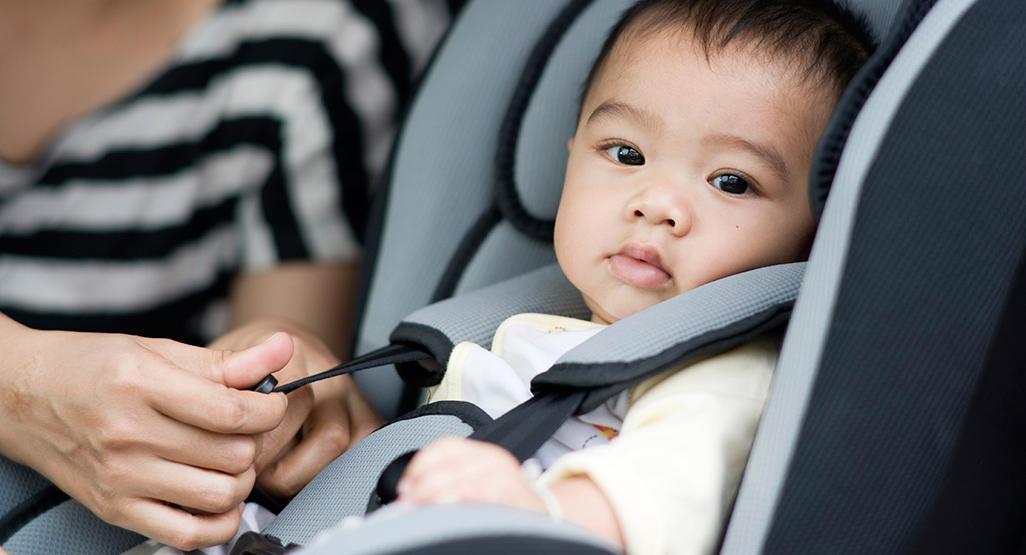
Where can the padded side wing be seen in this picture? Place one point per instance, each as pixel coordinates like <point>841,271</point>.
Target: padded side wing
<point>891,356</point>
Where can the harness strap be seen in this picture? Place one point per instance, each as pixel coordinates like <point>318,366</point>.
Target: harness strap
<point>523,430</point>
<point>389,354</point>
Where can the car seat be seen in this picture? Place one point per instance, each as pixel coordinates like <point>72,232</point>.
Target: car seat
<point>892,421</point>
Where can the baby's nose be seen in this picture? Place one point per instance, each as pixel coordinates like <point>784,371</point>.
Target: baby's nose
<point>663,212</point>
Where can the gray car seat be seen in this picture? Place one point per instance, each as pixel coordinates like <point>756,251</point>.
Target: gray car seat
<point>893,419</point>
<point>893,413</point>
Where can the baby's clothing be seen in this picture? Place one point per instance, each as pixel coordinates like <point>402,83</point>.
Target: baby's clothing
<point>681,438</point>
<point>524,346</point>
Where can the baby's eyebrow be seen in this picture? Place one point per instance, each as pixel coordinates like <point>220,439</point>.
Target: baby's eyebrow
<point>768,153</point>
<point>615,108</point>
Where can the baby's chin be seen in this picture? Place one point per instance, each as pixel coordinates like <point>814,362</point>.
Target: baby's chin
<point>607,313</point>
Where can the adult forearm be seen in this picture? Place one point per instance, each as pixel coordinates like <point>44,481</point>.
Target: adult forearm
<point>18,365</point>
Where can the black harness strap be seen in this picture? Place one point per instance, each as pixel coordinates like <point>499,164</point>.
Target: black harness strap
<point>528,426</point>
<point>521,431</point>
<point>389,354</point>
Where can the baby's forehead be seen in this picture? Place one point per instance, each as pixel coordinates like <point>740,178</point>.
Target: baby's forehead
<point>674,42</point>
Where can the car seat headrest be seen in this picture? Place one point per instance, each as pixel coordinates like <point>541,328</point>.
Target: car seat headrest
<point>541,117</point>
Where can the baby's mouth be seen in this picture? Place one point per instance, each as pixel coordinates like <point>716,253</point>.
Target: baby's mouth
<point>640,266</point>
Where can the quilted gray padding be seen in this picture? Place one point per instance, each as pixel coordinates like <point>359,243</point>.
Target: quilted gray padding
<point>879,13</point>
<point>505,254</point>
<point>394,533</point>
<point>70,529</point>
<point>551,116</point>
<point>343,488</point>
<point>711,306</point>
<point>474,316</point>
<point>442,180</point>
<point>813,313</point>
<point>18,483</point>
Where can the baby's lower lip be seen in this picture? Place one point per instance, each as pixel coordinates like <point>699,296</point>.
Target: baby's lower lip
<point>636,272</point>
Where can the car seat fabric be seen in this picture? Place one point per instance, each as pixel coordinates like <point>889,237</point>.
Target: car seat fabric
<point>708,319</point>
<point>460,529</point>
<point>433,216</point>
<point>20,482</point>
<point>477,171</point>
<point>712,318</point>
<point>70,529</point>
<point>475,315</point>
<point>344,488</point>
<point>865,444</point>
<point>441,188</point>
<point>492,212</point>
<point>52,522</point>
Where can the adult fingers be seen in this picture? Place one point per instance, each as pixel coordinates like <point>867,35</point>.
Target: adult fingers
<point>194,400</point>
<point>325,437</point>
<point>193,446</point>
<point>245,368</point>
<point>207,491</point>
<point>236,369</point>
<point>285,436</point>
<point>178,528</point>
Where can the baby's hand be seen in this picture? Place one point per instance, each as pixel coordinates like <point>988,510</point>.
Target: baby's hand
<point>455,470</point>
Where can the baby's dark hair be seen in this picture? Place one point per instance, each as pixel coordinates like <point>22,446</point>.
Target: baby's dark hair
<point>830,41</point>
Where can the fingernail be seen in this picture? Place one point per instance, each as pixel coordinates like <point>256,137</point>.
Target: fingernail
<point>269,338</point>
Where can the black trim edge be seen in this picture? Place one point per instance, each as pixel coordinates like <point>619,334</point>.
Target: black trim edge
<point>465,251</point>
<point>506,196</point>
<point>377,217</point>
<point>831,146</point>
<point>468,413</point>
<point>434,341</point>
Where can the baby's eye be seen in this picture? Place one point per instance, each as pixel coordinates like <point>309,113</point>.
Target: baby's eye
<point>625,155</point>
<point>730,183</point>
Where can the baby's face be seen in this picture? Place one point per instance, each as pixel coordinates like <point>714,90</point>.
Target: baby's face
<point>683,171</point>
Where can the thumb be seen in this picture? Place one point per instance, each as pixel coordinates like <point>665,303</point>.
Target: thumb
<point>245,368</point>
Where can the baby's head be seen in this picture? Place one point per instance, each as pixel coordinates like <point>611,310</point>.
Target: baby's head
<point>691,156</point>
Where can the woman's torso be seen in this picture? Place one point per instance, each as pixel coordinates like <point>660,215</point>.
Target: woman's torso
<point>186,170</point>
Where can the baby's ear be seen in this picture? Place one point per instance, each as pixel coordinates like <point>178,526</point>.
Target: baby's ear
<point>569,145</point>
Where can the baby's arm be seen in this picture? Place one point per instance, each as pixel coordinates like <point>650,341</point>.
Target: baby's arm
<point>663,486</point>
<point>461,470</point>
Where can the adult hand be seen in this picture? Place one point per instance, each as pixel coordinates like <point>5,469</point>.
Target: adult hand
<point>136,429</point>
<point>323,420</point>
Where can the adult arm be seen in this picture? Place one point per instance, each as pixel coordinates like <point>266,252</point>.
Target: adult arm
<point>136,428</point>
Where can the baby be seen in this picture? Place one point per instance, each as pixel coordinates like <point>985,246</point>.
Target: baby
<point>689,163</point>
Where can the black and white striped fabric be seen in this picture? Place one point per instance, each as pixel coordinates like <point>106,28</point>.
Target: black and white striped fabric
<point>255,145</point>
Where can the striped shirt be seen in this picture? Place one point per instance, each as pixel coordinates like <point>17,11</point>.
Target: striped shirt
<point>256,144</point>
